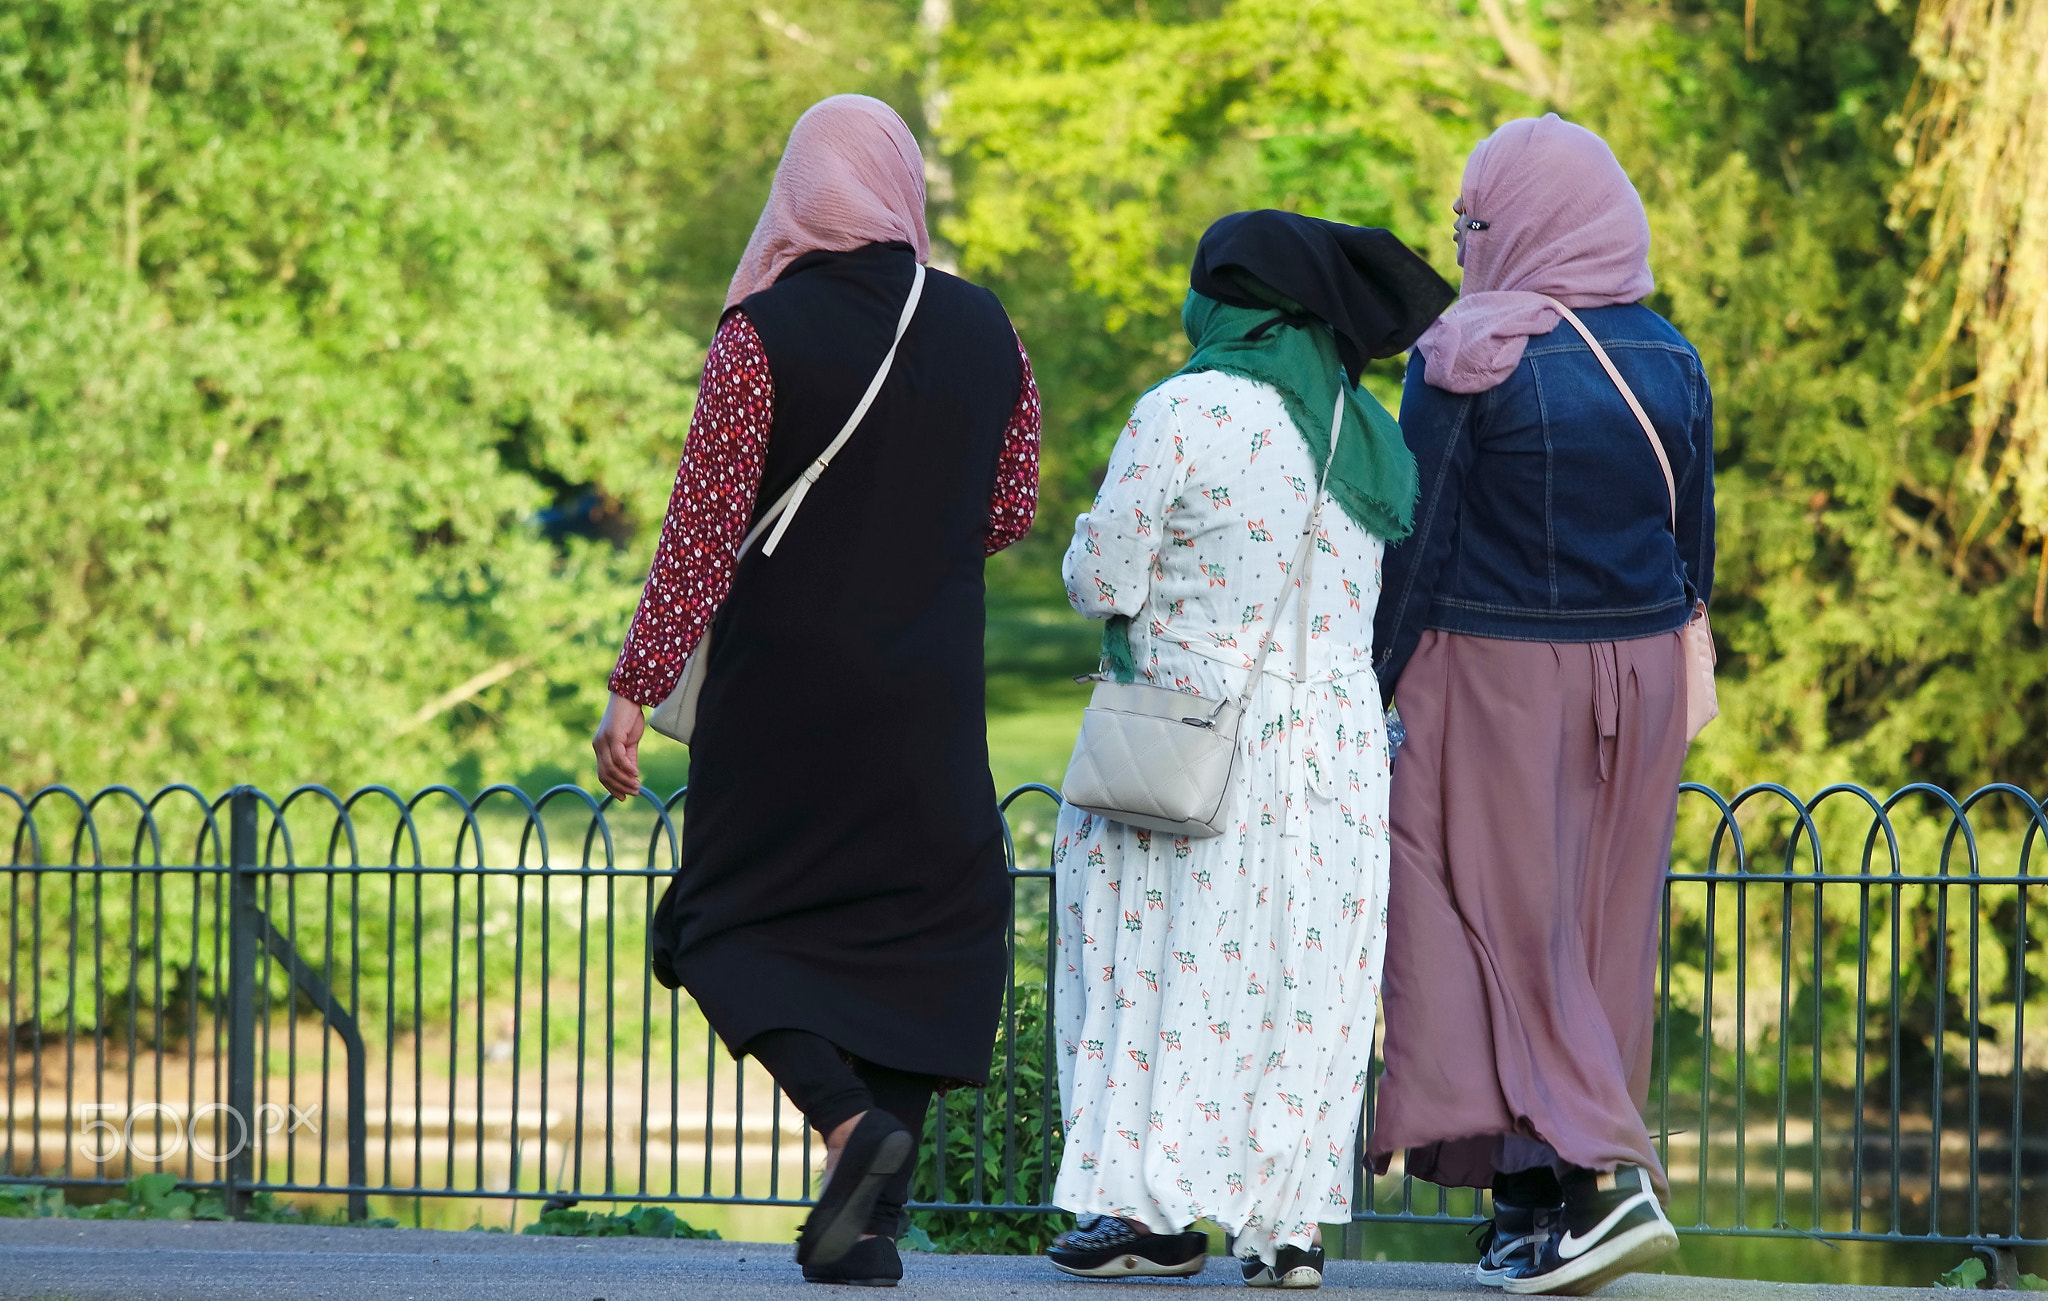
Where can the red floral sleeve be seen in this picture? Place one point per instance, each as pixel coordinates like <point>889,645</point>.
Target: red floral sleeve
<point>716,485</point>
<point>1014,502</point>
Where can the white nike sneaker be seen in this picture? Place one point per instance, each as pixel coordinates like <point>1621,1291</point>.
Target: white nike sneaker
<point>1612,1225</point>
<point>1292,1267</point>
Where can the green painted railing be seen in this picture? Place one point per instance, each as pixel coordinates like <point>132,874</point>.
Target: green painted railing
<point>438,996</point>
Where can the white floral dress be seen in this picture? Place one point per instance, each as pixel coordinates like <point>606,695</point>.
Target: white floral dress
<point>1215,997</point>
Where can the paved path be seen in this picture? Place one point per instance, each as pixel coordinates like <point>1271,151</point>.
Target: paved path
<point>44,1260</point>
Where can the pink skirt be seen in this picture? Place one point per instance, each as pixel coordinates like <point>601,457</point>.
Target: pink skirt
<point>1532,811</point>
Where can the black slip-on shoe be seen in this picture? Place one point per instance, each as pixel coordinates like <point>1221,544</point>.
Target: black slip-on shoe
<point>878,1147</point>
<point>1291,1267</point>
<point>870,1262</point>
<point>1612,1225</point>
<point>1105,1246</point>
<point>1510,1240</point>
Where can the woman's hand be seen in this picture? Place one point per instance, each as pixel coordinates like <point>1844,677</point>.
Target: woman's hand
<point>617,744</point>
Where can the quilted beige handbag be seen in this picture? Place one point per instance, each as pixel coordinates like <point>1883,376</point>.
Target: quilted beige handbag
<point>1162,759</point>
<point>676,717</point>
<point>1702,702</point>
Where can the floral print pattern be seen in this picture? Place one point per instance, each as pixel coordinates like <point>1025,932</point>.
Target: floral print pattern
<point>1217,996</point>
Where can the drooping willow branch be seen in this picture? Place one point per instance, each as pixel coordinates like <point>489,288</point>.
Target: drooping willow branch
<point>1976,136</point>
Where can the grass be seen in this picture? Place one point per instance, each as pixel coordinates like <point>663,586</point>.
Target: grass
<point>1032,745</point>
<point>1034,704</point>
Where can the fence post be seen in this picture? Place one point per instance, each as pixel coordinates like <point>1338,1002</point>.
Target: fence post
<point>242,956</point>
<point>2004,1261</point>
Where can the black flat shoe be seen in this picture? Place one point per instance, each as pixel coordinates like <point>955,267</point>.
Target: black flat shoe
<point>870,1262</point>
<point>877,1149</point>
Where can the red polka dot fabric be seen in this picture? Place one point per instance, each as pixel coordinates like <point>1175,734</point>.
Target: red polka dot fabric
<point>1014,503</point>
<point>716,487</point>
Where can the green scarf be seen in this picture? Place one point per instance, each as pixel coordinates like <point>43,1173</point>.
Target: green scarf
<point>1373,478</point>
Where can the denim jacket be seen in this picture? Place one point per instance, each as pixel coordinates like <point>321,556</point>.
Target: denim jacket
<point>1543,515</point>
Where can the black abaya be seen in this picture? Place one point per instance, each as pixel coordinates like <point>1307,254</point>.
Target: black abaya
<point>842,865</point>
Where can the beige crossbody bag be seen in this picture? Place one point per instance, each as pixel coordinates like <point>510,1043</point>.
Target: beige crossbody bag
<point>1702,702</point>
<point>1162,759</point>
<point>676,717</point>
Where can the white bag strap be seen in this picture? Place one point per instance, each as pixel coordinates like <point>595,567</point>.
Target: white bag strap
<point>1628,395</point>
<point>784,510</point>
<point>1304,560</point>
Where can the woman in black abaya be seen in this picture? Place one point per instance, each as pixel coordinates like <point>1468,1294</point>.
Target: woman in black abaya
<point>840,909</point>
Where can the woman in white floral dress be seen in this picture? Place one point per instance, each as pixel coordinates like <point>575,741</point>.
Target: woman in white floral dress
<point>1216,996</point>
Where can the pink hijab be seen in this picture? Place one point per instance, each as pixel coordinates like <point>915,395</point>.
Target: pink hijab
<point>851,175</point>
<point>1562,219</point>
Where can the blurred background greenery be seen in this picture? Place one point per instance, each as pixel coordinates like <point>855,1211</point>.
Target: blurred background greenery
<point>347,346</point>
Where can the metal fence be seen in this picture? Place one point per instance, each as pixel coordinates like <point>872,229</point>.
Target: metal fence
<point>439,997</point>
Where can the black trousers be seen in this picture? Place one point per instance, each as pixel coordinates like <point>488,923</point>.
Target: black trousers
<point>830,1088</point>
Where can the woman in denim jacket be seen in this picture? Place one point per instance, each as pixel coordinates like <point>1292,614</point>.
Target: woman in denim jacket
<point>1529,634</point>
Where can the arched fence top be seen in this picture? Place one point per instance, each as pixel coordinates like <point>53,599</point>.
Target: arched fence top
<point>312,827</point>
<point>440,828</point>
<point>1805,850</point>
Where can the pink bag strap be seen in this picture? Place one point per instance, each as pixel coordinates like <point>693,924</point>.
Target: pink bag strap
<point>1628,395</point>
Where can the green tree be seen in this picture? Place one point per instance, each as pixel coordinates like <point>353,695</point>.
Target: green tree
<point>1101,138</point>
<point>742,76</point>
<point>1095,142</point>
<point>306,310</point>
<point>1979,132</point>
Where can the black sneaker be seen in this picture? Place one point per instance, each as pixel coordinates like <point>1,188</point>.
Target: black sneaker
<point>1103,1246</point>
<point>1511,1240</point>
<point>877,1149</point>
<point>1291,1267</point>
<point>871,1262</point>
<point>1611,1226</point>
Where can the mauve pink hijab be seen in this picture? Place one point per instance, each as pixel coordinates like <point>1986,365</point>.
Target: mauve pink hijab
<point>1562,219</point>
<point>851,175</point>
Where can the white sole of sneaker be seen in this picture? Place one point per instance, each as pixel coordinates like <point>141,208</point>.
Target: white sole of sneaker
<point>1301,1276</point>
<point>1130,1265</point>
<point>1624,1253</point>
<point>1489,1277</point>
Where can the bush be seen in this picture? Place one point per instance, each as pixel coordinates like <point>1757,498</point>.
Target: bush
<point>1017,1118</point>
<point>158,1197</point>
<point>640,1222</point>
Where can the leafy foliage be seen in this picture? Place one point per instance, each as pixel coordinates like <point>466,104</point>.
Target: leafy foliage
<point>307,313</point>
<point>1971,1275</point>
<point>1978,135</point>
<point>1764,139</point>
<point>158,1197</point>
<point>307,310</point>
<point>1001,1146</point>
<point>640,1222</point>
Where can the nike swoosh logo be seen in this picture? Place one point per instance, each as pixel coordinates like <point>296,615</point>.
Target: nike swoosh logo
<point>1570,1246</point>
<point>1501,1252</point>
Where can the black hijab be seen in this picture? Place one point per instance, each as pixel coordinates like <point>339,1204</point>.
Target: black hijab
<point>1372,290</point>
